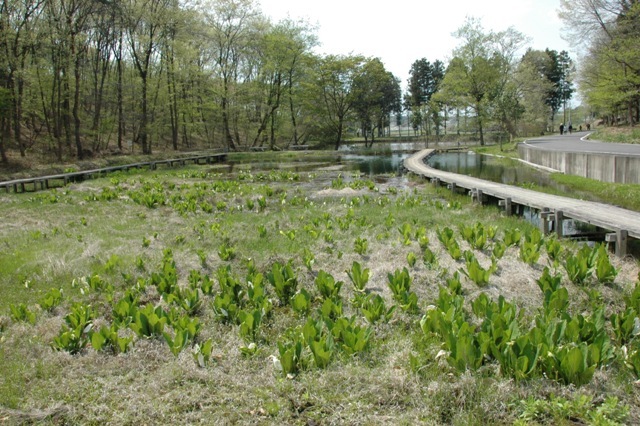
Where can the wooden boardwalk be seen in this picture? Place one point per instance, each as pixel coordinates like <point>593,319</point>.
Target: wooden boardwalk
<point>621,222</point>
<point>51,181</point>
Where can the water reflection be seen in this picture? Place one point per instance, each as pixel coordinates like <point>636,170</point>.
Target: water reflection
<point>495,169</point>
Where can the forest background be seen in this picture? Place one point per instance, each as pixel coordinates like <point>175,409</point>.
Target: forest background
<point>83,78</point>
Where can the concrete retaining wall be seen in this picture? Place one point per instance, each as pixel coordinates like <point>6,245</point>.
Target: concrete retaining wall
<point>603,167</point>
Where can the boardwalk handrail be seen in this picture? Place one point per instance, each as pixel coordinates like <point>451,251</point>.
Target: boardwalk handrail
<point>622,221</point>
<point>19,185</point>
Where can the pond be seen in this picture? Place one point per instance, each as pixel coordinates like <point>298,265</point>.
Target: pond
<point>495,169</point>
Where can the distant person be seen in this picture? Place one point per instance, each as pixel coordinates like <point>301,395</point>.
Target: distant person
<point>570,128</point>
<point>588,126</point>
<point>562,129</point>
<point>580,127</point>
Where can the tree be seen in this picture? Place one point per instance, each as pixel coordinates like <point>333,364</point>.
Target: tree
<point>479,74</point>
<point>424,82</point>
<point>376,94</point>
<point>610,30</point>
<point>335,79</point>
<point>231,24</point>
<point>534,89</point>
<point>18,38</point>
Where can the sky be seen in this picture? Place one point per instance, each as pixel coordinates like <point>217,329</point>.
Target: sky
<point>402,31</point>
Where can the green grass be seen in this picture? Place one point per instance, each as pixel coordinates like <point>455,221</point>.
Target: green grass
<point>617,134</point>
<point>52,239</point>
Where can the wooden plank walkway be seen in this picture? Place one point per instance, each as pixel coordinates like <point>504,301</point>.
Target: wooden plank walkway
<point>46,182</point>
<point>622,222</point>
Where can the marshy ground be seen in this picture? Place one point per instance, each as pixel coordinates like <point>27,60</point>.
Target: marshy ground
<point>179,241</point>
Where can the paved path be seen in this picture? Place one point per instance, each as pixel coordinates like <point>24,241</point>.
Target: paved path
<point>578,142</point>
<point>602,215</point>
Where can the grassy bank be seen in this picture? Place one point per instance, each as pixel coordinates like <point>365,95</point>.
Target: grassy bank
<point>303,298</point>
<point>617,134</point>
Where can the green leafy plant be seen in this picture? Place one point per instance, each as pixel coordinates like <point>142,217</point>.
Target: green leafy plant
<point>283,280</point>
<point>411,259</point>
<point>530,246</point>
<point>308,259</point>
<point>476,273</point>
<point>108,338</point>
<point>301,302</point>
<point>202,353</point>
<point>149,321</point>
<point>475,235</point>
<point>604,270</point>
<point>290,360</point>
<point>374,309</point>
<point>361,245</point>
<point>250,324</point>
<point>320,343</point>
<point>399,283</point>
<point>625,325</point>
<point>359,277</point>
<point>327,286</point>
<point>51,299</point>
<point>512,237</point>
<point>21,313</point>
<point>75,334</point>
<point>579,266</point>
<point>448,240</point>
<point>405,231</point>
<point>554,249</point>
<point>177,342</point>
<point>226,251</point>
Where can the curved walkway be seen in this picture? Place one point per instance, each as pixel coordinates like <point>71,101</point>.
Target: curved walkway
<point>575,155</point>
<point>579,142</point>
<point>621,221</point>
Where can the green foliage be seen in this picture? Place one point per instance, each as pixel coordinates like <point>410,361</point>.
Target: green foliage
<point>429,257</point>
<point>320,343</point>
<point>308,259</point>
<point>149,321</point>
<point>476,235</point>
<point>21,313</point>
<point>530,246</point>
<point>166,279</point>
<point>448,240</point>
<point>350,336</point>
<point>290,361</point>
<point>579,266</point>
<point>582,409</point>
<point>283,280</point>
<point>359,277</point>
<point>406,232</point>
<point>625,326</point>
<point>374,309</point>
<point>399,283</point>
<point>202,353</point>
<point>301,302</point>
<point>605,271</point>
<point>75,334</point>
<point>554,249</point>
<point>512,237</point>
<point>250,323</point>
<point>108,338</point>
<point>411,259</point>
<point>361,245</point>
<point>327,286</point>
<point>226,251</point>
<point>177,342</point>
<point>475,272</point>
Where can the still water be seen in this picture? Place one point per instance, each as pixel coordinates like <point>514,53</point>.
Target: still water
<point>495,169</point>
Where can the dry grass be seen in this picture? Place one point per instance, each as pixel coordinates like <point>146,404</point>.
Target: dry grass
<point>148,385</point>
